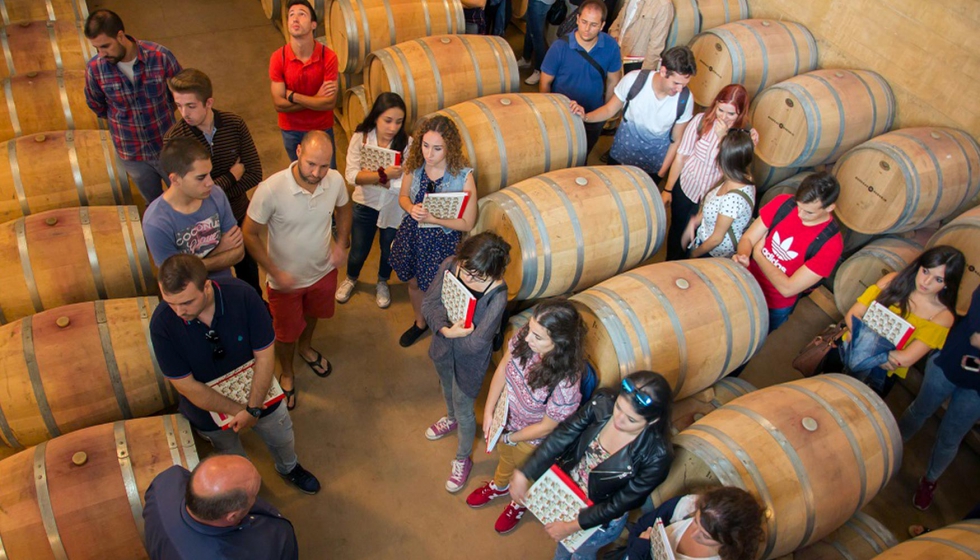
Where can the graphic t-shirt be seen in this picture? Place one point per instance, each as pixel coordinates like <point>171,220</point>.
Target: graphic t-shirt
<point>786,246</point>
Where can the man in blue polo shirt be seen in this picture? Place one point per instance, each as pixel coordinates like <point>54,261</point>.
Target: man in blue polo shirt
<point>207,330</point>
<point>214,513</point>
<point>585,66</point>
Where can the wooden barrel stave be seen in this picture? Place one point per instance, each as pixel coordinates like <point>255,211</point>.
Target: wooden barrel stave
<point>20,10</point>
<point>963,233</point>
<point>636,322</point>
<point>689,410</point>
<point>41,101</point>
<point>514,136</point>
<point>862,537</point>
<point>35,46</point>
<point>46,504</point>
<point>356,107</point>
<point>694,16</point>
<point>959,541</point>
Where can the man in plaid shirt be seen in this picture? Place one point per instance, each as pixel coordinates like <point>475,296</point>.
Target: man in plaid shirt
<point>126,83</point>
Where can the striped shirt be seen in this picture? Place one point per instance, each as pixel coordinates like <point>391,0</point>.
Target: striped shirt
<point>231,142</point>
<point>701,172</point>
<point>139,111</point>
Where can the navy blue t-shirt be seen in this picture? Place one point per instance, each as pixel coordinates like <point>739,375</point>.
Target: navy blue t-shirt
<point>574,76</point>
<point>172,534</point>
<point>243,325</point>
<point>958,345</point>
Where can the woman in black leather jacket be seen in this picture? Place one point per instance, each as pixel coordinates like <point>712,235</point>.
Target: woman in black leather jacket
<point>617,448</point>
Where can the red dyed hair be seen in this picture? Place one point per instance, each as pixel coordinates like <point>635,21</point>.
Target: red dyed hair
<point>733,94</point>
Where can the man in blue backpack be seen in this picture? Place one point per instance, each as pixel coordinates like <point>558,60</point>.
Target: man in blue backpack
<point>656,109</point>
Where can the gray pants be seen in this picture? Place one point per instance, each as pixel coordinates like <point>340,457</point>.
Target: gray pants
<point>146,175</point>
<point>276,430</point>
<point>459,407</point>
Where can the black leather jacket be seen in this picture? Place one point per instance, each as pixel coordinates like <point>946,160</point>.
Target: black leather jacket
<point>620,483</point>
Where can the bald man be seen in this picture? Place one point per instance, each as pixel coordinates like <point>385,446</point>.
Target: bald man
<point>214,513</point>
<point>295,208</point>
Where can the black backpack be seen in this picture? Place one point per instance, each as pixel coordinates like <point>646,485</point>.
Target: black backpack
<point>637,87</point>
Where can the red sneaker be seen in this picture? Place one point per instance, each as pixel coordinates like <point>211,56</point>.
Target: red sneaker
<point>484,494</point>
<point>923,495</point>
<point>509,519</point>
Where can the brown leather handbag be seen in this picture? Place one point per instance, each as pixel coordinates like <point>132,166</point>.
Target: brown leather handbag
<point>810,361</point>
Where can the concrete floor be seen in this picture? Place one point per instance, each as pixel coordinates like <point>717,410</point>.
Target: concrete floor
<point>361,430</point>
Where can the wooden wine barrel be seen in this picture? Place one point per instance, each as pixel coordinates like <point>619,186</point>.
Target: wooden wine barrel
<point>60,170</point>
<point>514,136</point>
<point>519,8</point>
<point>42,101</point>
<point>276,11</point>
<point>876,259</point>
<point>687,411</point>
<point>693,321</point>
<point>753,52</point>
<point>767,176</point>
<point>72,255</point>
<point>694,16</point>
<point>862,537</point>
<point>356,107</point>
<point>35,46</point>
<point>963,233</point>
<point>907,179</point>
<point>573,228</point>
<point>21,10</point>
<point>816,117</point>
<point>81,495</point>
<point>431,73</point>
<point>41,355</point>
<point>776,442</point>
<point>356,29</point>
<point>344,83</point>
<point>959,541</point>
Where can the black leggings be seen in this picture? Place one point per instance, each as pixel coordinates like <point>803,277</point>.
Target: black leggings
<point>682,209</point>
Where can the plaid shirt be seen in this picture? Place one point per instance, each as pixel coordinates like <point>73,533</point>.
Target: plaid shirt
<point>138,113</point>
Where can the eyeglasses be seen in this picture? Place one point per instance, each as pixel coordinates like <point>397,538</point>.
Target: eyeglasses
<point>475,277</point>
<point>217,351</point>
<point>641,398</point>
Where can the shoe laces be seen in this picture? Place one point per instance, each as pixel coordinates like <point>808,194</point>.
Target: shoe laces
<point>515,510</point>
<point>458,467</point>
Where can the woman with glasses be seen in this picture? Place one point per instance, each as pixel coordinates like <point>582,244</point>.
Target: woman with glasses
<point>717,524</point>
<point>695,167</point>
<point>541,371</point>
<point>436,164</point>
<point>616,448</point>
<point>462,354</point>
<point>727,209</point>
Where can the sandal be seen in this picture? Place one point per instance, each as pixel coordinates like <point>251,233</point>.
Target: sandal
<point>290,395</point>
<point>918,530</point>
<point>315,363</point>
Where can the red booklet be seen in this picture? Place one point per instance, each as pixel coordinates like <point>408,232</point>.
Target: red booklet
<point>445,206</point>
<point>458,301</point>
<point>556,497</point>
<point>237,385</point>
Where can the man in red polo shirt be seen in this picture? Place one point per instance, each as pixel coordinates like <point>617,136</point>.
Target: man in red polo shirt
<point>304,80</point>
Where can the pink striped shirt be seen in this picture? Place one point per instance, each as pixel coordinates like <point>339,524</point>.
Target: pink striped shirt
<point>700,172</point>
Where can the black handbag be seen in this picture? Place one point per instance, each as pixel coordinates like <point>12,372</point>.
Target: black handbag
<point>556,15</point>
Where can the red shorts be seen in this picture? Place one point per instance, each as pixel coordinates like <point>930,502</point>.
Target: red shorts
<point>290,309</point>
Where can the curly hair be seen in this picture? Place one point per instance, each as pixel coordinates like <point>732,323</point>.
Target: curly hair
<point>734,518</point>
<point>566,361</point>
<point>455,158</point>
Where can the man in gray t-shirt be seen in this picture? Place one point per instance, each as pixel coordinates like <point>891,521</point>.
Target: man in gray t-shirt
<point>192,216</point>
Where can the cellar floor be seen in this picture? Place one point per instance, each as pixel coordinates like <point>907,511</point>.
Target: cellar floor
<point>361,430</point>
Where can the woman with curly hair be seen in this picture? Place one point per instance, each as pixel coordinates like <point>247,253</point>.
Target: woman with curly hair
<point>723,523</point>
<point>436,164</point>
<point>541,370</point>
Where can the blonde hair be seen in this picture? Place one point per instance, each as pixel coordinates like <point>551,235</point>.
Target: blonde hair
<point>455,159</point>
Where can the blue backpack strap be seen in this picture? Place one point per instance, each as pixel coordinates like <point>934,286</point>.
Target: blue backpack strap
<point>590,380</point>
<point>635,89</point>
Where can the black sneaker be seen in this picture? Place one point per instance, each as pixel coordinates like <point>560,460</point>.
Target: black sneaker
<point>302,479</point>
<point>411,335</point>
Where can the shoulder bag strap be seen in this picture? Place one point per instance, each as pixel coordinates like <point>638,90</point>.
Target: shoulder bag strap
<point>731,226</point>
<point>588,58</point>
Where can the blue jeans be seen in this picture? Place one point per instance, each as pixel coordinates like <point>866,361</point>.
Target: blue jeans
<point>361,237</point>
<point>292,138</point>
<point>146,175</point>
<point>599,539</point>
<point>498,14</point>
<point>276,430</point>
<point>779,316</point>
<point>459,407</point>
<point>534,44</point>
<point>962,414</point>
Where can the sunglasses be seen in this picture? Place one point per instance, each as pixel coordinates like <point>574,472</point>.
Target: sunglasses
<point>641,398</point>
<point>217,351</point>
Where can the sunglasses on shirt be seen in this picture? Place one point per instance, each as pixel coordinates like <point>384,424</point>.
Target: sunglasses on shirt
<point>217,350</point>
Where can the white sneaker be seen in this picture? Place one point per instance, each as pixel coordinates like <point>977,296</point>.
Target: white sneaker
<point>523,63</point>
<point>534,78</point>
<point>382,295</point>
<point>345,290</point>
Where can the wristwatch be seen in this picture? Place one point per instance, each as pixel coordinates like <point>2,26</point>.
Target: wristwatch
<point>290,97</point>
<point>254,411</point>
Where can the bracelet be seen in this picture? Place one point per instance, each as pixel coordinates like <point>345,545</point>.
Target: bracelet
<point>668,190</point>
<point>507,441</point>
<point>382,176</point>
<point>290,97</point>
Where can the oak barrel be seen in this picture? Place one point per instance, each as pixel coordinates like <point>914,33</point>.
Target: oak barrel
<point>876,259</point>
<point>694,16</point>
<point>862,537</point>
<point>42,355</point>
<point>42,101</point>
<point>959,541</point>
<point>753,52</point>
<point>907,179</point>
<point>344,83</point>
<point>34,46</point>
<point>514,136</point>
<point>72,255</point>
<point>59,170</point>
<point>775,443</point>
<point>19,10</point>
<point>356,107</point>
<point>356,29</point>
<point>815,117</point>
<point>693,321</point>
<point>689,410</point>
<point>81,495</point>
<point>431,73</point>
<point>573,228</point>
<point>963,233</point>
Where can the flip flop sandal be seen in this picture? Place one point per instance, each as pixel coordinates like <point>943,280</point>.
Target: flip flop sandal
<point>316,362</point>
<point>290,394</point>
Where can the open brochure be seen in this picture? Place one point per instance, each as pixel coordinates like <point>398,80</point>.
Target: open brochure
<point>237,385</point>
<point>659,545</point>
<point>459,302</point>
<point>499,420</point>
<point>556,497</point>
<point>888,325</point>
<point>445,206</point>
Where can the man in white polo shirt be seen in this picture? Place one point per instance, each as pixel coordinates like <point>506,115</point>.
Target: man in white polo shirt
<point>295,208</point>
